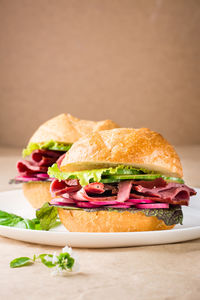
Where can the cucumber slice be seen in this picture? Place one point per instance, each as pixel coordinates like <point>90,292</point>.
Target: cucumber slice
<point>117,177</point>
<point>109,180</point>
<point>173,179</point>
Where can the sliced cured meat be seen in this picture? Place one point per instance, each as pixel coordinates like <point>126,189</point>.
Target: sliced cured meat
<point>59,188</point>
<point>124,190</point>
<point>141,196</point>
<point>37,154</point>
<point>81,195</point>
<point>151,184</point>
<point>95,188</point>
<point>60,159</point>
<point>45,157</point>
<point>174,193</point>
<point>155,191</point>
<point>26,168</point>
<point>39,162</point>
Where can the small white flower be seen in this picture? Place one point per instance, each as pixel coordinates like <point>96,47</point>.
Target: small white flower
<point>76,267</point>
<point>66,260</point>
<point>54,258</point>
<point>55,271</point>
<point>48,258</point>
<point>67,249</point>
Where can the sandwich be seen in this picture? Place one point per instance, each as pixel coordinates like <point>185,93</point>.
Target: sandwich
<point>121,180</point>
<point>48,145</point>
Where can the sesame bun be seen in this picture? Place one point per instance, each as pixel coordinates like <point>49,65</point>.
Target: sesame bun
<point>68,129</point>
<point>37,193</point>
<point>140,148</point>
<point>106,221</point>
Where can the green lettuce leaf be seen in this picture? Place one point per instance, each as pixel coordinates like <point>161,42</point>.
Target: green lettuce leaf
<point>84,176</point>
<point>107,175</point>
<point>51,145</point>
<point>95,175</point>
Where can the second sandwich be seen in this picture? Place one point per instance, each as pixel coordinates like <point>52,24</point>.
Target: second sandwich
<point>47,145</point>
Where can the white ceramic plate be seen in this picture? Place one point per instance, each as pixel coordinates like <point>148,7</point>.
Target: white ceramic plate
<point>14,202</point>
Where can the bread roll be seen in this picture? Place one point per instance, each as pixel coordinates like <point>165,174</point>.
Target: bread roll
<point>141,148</point>
<point>68,129</point>
<point>64,129</point>
<point>109,221</point>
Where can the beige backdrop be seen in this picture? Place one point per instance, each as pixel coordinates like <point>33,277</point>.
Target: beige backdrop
<point>136,62</point>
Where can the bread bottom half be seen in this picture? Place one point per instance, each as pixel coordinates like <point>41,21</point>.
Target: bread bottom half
<point>37,193</point>
<point>107,221</point>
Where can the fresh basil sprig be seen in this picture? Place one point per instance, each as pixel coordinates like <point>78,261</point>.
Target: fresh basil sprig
<point>46,219</point>
<point>47,215</point>
<point>63,263</point>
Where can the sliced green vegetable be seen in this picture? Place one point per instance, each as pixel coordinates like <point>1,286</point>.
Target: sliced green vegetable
<point>84,176</point>
<point>143,177</point>
<point>67,207</point>
<point>108,175</point>
<point>51,145</point>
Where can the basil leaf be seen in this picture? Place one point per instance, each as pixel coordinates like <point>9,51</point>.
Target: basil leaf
<point>12,220</point>
<point>45,261</point>
<point>20,262</point>
<point>8,219</point>
<point>48,216</point>
<point>26,224</point>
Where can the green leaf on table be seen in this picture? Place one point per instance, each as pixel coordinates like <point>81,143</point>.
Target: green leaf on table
<point>20,262</point>
<point>46,259</point>
<point>61,263</point>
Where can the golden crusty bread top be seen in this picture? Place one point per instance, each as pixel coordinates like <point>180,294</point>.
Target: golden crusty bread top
<point>141,148</point>
<point>68,129</point>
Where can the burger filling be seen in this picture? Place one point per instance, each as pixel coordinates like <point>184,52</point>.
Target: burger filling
<point>121,188</point>
<point>41,156</point>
